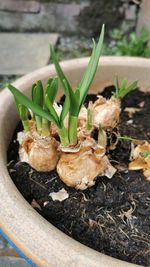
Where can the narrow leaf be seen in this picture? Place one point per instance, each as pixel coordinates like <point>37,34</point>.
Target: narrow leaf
<point>116,83</point>
<point>146,153</point>
<point>59,70</point>
<point>125,91</point>
<point>22,99</point>
<point>33,91</point>
<point>123,84</point>
<point>23,112</point>
<point>51,108</point>
<point>132,86</point>
<point>91,68</point>
<point>52,88</point>
<point>38,93</point>
<point>74,101</point>
<point>65,109</point>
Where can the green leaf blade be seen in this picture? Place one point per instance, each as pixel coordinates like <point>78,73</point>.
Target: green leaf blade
<point>22,99</point>
<point>58,68</point>
<point>51,109</point>
<point>65,109</point>
<point>91,68</point>
<point>52,88</point>
<point>37,93</point>
<point>74,101</point>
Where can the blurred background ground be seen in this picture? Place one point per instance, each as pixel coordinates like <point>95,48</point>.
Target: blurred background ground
<point>73,23</point>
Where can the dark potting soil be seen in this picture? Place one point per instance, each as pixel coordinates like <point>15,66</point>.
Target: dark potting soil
<point>113,216</point>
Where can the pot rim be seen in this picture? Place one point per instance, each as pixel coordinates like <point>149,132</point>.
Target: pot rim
<point>43,243</point>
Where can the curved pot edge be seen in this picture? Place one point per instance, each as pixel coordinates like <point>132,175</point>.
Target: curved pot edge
<point>97,257</point>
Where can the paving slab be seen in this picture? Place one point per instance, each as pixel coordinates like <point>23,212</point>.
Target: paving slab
<point>13,262</point>
<point>20,6</point>
<point>21,53</point>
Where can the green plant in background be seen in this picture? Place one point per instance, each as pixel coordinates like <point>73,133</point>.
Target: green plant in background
<point>131,45</point>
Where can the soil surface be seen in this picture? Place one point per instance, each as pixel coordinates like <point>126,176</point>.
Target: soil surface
<point>113,216</point>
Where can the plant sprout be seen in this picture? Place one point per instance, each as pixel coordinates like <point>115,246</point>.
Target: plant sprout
<point>123,88</point>
<point>37,146</point>
<point>89,123</point>
<point>23,113</point>
<point>38,106</point>
<point>77,96</point>
<point>128,138</point>
<point>42,103</point>
<point>72,122</point>
<point>107,112</point>
<point>146,153</point>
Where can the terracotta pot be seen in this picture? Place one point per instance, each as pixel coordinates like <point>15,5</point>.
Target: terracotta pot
<point>44,244</point>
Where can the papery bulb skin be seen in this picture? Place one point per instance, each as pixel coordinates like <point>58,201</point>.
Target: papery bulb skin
<point>40,153</point>
<point>80,169</point>
<point>82,119</point>
<point>138,160</point>
<point>106,112</point>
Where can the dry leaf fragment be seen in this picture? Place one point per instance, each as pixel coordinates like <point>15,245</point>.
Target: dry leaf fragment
<point>139,160</point>
<point>131,111</point>
<point>147,174</point>
<point>61,195</point>
<point>92,223</point>
<point>121,167</point>
<point>34,204</point>
<point>137,164</point>
<point>31,145</point>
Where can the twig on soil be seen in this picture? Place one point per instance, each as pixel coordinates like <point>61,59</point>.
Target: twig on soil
<point>123,232</point>
<point>50,180</point>
<point>110,217</point>
<point>141,239</point>
<point>9,163</point>
<point>84,197</point>
<point>42,186</point>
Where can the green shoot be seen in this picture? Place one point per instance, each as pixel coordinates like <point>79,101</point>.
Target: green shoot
<point>51,91</point>
<point>89,117</point>
<point>91,68</point>
<point>102,137</point>
<point>47,113</point>
<point>123,89</point>
<point>146,153</point>
<point>52,88</point>
<point>42,102</point>
<point>24,100</point>
<point>128,138</point>
<point>63,132</point>
<point>78,96</point>
<point>23,113</point>
<point>37,96</point>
